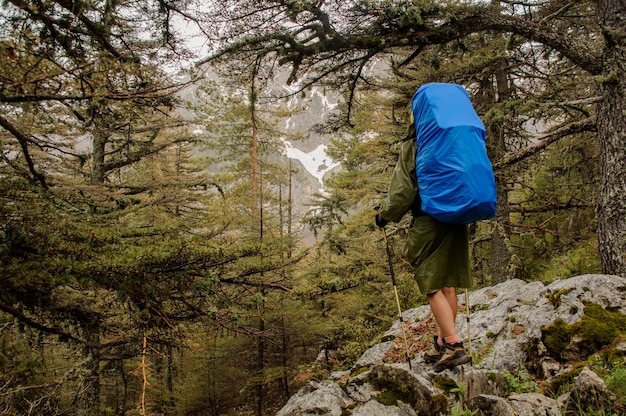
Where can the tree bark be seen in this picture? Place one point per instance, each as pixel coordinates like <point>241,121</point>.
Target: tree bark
<point>611,118</point>
<point>97,155</point>
<point>88,394</point>
<point>501,256</point>
<point>260,391</point>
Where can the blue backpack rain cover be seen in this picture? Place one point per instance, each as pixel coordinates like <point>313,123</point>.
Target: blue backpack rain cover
<point>455,177</point>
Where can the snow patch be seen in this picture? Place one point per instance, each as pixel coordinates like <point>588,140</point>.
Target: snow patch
<point>316,162</point>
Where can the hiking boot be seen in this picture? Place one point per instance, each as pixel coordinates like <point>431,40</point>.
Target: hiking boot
<point>453,355</point>
<point>434,353</point>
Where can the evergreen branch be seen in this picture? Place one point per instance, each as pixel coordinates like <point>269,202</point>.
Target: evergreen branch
<point>323,290</point>
<point>582,56</point>
<point>242,278</point>
<point>23,141</point>
<point>77,10</point>
<point>135,156</point>
<point>143,95</point>
<point>354,83</point>
<point>532,227</point>
<point>477,19</point>
<point>585,125</point>
<point>21,389</point>
<point>547,208</point>
<point>34,324</point>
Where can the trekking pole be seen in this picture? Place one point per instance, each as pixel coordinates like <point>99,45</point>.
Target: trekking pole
<point>467,319</point>
<point>395,290</point>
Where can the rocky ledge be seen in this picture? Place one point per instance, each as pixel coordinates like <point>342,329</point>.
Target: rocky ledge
<point>534,349</point>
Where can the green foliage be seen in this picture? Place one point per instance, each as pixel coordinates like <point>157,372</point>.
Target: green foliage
<point>580,259</point>
<point>387,398</point>
<point>444,383</point>
<point>563,382</point>
<point>358,371</point>
<point>461,411</point>
<point>21,366</point>
<point>607,364</point>
<point>460,390</point>
<point>391,391</point>
<point>556,337</point>
<point>560,237</point>
<point>358,334</point>
<point>555,297</point>
<point>115,230</point>
<point>616,383</point>
<point>598,327</point>
<point>519,382</point>
<point>142,257</point>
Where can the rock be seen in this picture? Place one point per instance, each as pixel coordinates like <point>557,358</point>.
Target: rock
<point>325,359</point>
<point>505,318</point>
<point>324,398</point>
<point>413,387</point>
<point>360,389</point>
<point>491,405</point>
<point>578,349</point>
<point>362,393</point>
<point>501,311</point>
<point>471,382</point>
<point>605,290</point>
<point>485,382</point>
<point>550,368</point>
<point>412,318</point>
<point>534,404</point>
<point>374,355</point>
<point>374,408</point>
<point>505,333</point>
<point>620,345</point>
<point>338,375</point>
<point>588,394</point>
<point>527,404</point>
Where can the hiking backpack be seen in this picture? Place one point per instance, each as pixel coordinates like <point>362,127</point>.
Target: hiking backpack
<point>455,177</point>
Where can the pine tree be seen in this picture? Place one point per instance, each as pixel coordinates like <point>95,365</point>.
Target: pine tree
<point>372,29</point>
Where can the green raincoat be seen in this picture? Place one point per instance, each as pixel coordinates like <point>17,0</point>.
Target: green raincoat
<point>439,252</point>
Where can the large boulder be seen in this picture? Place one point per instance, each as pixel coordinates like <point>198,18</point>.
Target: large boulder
<point>325,398</point>
<point>508,328</point>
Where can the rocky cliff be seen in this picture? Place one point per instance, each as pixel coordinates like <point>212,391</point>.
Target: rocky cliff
<point>536,351</point>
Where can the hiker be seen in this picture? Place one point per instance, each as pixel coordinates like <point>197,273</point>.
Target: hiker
<point>439,253</point>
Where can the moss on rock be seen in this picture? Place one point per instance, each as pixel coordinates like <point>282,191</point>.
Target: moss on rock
<point>597,328</point>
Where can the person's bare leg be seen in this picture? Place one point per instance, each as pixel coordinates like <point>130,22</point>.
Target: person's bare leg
<point>444,313</point>
<point>450,294</point>
<point>444,308</point>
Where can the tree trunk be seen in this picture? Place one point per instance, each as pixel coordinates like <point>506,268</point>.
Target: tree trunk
<point>169,377</point>
<point>611,116</point>
<point>97,155</point>
<point>260,391</point>
<point>500,253</point>
<point>88,395</point>
<point>254,144</point>
<point>290,202</point>
<point>285,343</point>
<point>501,269</point>
<point>494,87</point>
